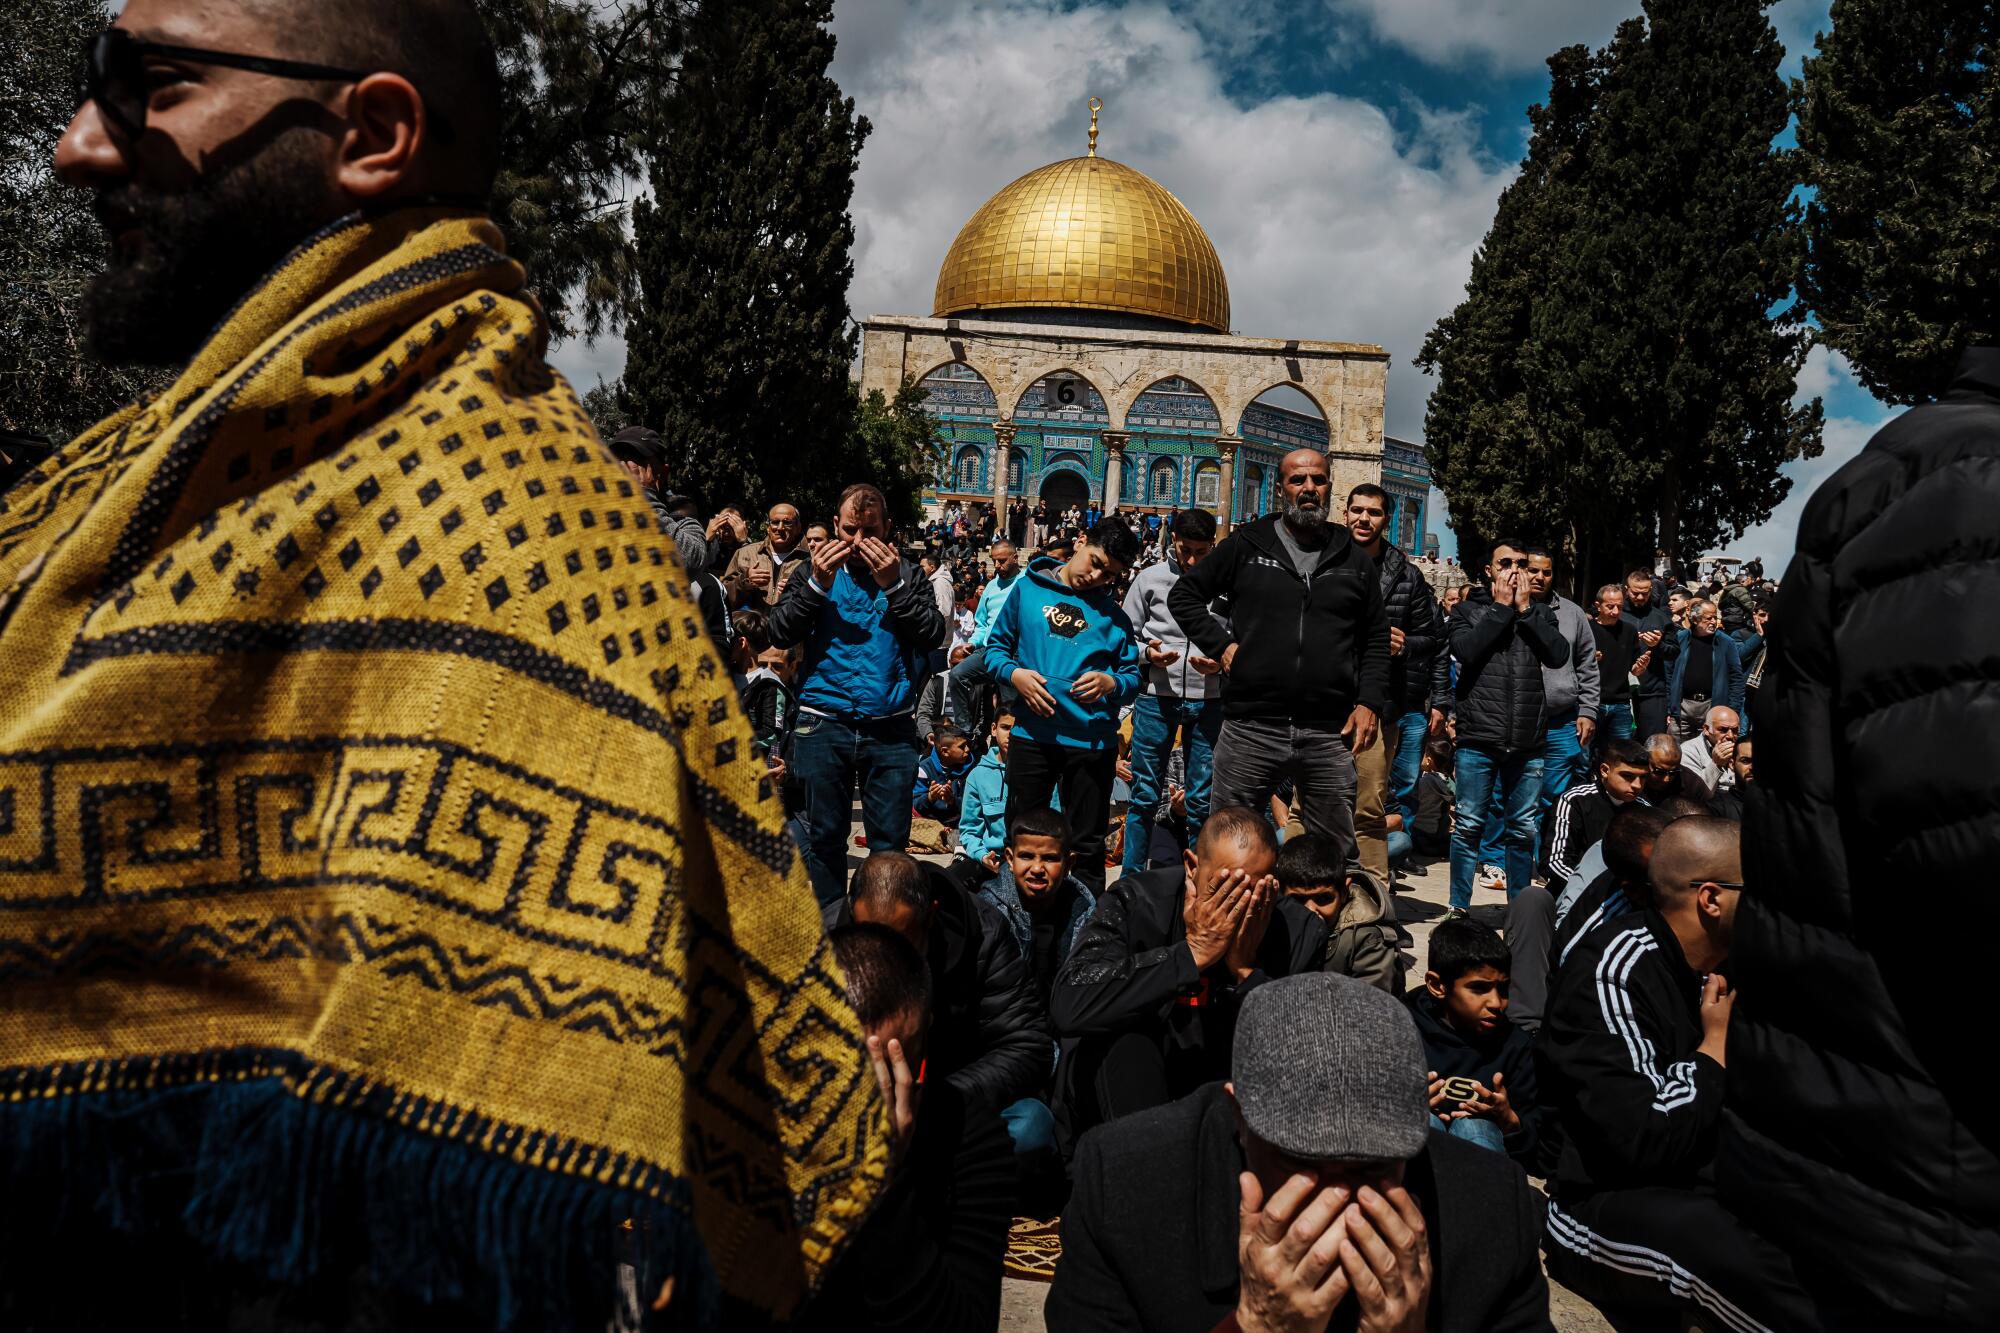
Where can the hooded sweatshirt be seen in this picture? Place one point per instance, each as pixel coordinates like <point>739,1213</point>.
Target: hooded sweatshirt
<point>1146,608</point>
<point>982,815</point>
<point>1361,945</point>
<point>1048,627</point>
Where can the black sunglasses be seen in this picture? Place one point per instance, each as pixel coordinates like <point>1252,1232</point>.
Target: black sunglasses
<point>115,73</point>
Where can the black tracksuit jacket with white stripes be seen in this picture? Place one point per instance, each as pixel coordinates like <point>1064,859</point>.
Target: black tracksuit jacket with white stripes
<point>1617,1057</point>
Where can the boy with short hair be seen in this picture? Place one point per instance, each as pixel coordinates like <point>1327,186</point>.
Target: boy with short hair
<point>1582,813</point>
<point>1482,1067</point>
<point>982,812</point>
<point>1045,906</point>
<point>1313,869</point>
<point>1064,644</point>
<point>941,775</point>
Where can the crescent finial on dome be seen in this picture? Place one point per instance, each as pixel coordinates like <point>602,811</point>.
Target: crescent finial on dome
<point>1096,105</point>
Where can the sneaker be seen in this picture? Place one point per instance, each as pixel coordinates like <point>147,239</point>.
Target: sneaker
<point>1455,914</point>
<point>1491,878</point>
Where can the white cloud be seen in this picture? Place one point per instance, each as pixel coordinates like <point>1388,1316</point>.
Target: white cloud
<point>1328,223</point>
<point>1505,35</point>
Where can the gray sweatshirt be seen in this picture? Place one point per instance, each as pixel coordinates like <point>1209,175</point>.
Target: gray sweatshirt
<point>1573,686</point>
<point>1146,608</point>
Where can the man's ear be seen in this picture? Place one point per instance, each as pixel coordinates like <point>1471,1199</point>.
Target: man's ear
<point>1434,984</point>
<point>1191,861</point>
<point>386,130</point>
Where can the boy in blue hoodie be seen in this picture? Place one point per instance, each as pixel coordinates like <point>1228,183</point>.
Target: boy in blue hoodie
<point>941,774</point>
<point>1065,645</point>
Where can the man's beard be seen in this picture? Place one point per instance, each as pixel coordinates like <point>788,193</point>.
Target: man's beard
<point>204,247</point>
<point>1306,521</point>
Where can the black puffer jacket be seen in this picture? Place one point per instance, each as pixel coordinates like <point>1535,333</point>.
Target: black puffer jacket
<point>1419,676</point>
<point>1500,655</point>
<point>1307,650</point>
<point>1862,1132</point>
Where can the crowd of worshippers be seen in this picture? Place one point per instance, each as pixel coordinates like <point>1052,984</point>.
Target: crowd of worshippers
<point>1223,1065</point>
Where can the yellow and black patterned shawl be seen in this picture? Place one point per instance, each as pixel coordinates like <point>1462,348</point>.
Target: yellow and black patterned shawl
<point>375,816</point>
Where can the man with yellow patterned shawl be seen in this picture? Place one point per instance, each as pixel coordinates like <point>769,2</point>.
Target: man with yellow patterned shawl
<point>396,926</point>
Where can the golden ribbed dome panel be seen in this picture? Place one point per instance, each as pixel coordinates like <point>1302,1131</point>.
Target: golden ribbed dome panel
<point>1091,234</point>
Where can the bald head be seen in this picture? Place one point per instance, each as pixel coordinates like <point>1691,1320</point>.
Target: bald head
<point>1693,851</point>
<point>1663,750</point>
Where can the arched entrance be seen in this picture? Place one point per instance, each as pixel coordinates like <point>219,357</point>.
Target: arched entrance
<point>1063,488</point>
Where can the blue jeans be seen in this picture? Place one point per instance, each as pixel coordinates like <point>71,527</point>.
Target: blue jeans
<point>1153,721</point>
<point>1615,720</point>
<point>1473,1129</point>
<point>1412,729</point>
<point>1399,846</point>
<point>829,755</point>
<point>1565,763</point>
<point>1485,777</point>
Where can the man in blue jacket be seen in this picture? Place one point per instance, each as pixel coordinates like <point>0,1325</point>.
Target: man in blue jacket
<point>1062,641</point>
<point>867,621</point>
<point>1707,671</point>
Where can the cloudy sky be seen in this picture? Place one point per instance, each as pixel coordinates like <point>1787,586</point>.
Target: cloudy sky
<point>1344,155</point>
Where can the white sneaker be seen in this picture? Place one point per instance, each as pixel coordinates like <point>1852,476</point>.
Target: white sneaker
<point>1492,878</point>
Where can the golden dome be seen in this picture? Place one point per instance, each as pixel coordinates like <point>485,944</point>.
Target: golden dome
<point>1086,233</point>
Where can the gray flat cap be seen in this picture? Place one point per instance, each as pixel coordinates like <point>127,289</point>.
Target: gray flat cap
<point>1328,1068</point>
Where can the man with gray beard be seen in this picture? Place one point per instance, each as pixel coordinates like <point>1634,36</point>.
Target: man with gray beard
<point>1305,652</point>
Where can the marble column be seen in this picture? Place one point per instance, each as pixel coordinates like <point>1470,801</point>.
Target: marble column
<point>1227,445</point>
<point>1003,448</point>
<point>1114,468</point>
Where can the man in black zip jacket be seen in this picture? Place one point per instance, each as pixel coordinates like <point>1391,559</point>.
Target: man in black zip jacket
<point>1646,611</point>
<point>1305,653</point>
<point>1632,1055</point>
<point>1502,639</point>
<point>1152,986</point>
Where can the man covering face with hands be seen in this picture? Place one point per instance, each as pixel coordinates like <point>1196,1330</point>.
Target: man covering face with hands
<point>1305,1193</point>
<point>1154,983</point>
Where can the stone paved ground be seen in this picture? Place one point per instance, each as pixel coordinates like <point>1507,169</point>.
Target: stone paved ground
<point>1421,900</point>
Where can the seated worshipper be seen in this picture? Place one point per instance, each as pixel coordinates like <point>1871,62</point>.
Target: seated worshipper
<point>1352,905</point>
<point>1581,814</point>
<point>1063,642</point>
<point>1577,821</point>
<point>1045,906</point>
<point>1633,1060</point>
<point>1705,755</point>
<point>1153,986</point>
<point>1666,774</point>
<point>1618,885</point>
<point>1461,1013</point>
<point>367,814</point>
<point>939,791</point>
<point>1729,803</point>
<point>930,1256</point>
<point>989,1032</point>
<point>1305,1193</point>
<point>982,812</point>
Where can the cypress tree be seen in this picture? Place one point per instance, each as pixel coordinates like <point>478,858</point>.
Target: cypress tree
<point>740,348</point>
<point>1486,450</point>
<point>1897,127</point>
<point>1662,339</point>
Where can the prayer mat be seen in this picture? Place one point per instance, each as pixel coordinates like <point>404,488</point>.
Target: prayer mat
<point>1033,1248</point>
<point>389,884</point>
